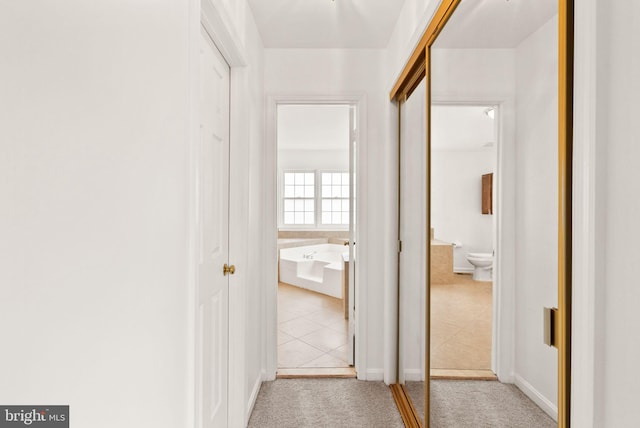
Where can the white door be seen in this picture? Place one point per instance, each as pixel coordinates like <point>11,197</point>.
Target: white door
<point>213,232</point>
<point>353,133</point>
<point>413,235</point>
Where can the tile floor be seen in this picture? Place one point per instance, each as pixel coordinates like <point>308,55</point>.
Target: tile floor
<point>461,324</point>
<point>312,331</point>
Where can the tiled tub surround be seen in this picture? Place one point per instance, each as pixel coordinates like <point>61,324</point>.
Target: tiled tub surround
<point>327,235</point>
<point>441,262</point>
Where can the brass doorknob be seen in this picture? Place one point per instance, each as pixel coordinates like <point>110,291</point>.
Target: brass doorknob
<point>226,269</point>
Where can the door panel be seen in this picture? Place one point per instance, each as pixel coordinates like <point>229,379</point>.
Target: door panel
<point>353,142</point>
<point>413,235</point>
<point>213,219</point>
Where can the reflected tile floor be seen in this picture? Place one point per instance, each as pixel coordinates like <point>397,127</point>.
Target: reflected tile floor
<point>461,324</point>
<point>312,331</point>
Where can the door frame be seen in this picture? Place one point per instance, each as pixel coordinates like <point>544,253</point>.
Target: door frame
<point>503,298</point>
<point>503,321</point>
<point>202,364</point>
<point>204,14</point>
<point>417,68</point>
<point>271,221</point>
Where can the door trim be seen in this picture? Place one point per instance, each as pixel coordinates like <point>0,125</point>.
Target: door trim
<point>503,333</point>
<point>271,222</point>
<point>418,67</point>
<point>204,14</point>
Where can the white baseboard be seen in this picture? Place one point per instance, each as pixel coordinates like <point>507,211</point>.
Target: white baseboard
<point>542,401</point>
<point>413,375</point>
<point>253,396</point>
<point>463,269</point>
<point>374,375</point>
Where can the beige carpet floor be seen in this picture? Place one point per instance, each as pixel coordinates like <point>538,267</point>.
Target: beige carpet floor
<point>478,404</point>
<point>331,403</point>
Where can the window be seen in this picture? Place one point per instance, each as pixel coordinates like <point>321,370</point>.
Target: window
<point>299,198</point>
<point>315,198</point>
<point>335,198</point>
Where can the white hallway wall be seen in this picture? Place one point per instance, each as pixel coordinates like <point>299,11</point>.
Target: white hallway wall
<point>94,215</point>
<point>253,207</point>
<point>536,70</point>
<point>322,72</point>
<point>94,278</point>
<point>456,195</point>
<point>608,200</point>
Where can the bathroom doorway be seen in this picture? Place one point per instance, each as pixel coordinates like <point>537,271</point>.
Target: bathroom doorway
<point>316,170</point>
<point>464,162</point>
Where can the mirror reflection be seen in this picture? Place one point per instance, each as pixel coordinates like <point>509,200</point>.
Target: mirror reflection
<point>493,217</point>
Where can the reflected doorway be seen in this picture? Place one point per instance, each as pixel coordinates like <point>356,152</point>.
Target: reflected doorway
<point>525,67</point>
<point>463,156</point>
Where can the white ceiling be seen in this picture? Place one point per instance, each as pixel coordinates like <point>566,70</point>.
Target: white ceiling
<point>486,24</point>
<point>313,127</point>
<point>325,23</point>
<point>461,128</point>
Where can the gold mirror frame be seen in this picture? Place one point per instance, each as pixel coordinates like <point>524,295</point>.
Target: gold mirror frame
<point>417,68</point>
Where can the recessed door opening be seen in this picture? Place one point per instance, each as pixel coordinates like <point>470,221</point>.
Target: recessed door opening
<point>463,164</point>
<point>523,74</point>
<point>315,200</point>
<point>212,323</point>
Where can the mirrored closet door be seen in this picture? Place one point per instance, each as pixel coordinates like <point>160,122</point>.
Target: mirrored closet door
<point>480,164</point>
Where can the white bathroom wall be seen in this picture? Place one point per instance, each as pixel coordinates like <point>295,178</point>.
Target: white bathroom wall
<point>93,277</point>
<point>336,160</point>
<point>456,197</point>
<point>323,72</point>
<point>536,208</point>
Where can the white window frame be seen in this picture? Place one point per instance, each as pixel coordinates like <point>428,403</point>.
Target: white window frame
<point>317,201</point>
<point>340,198</point>
<point>303,198</point>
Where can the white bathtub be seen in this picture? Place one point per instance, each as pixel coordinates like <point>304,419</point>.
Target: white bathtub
<point>314,267</point>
